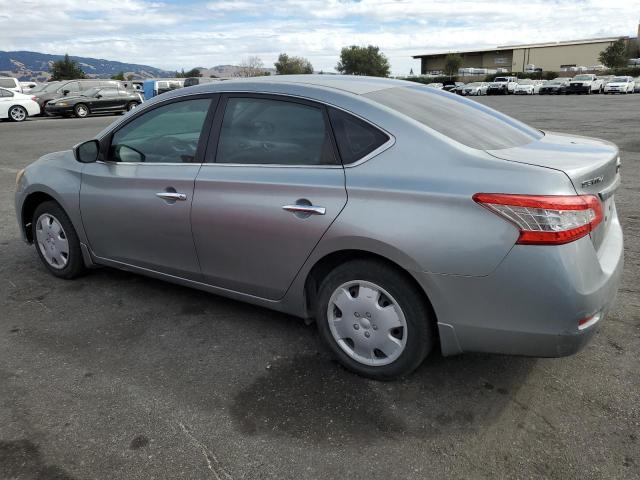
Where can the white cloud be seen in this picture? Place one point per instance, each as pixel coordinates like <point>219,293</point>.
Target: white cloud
<point>177,35</point>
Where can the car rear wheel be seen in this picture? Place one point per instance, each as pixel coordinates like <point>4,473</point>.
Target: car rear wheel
<point>374,319</point>
<point>56,241</point>
<point>81,110</point>
<point>131,106</point>
<point>18,113</point>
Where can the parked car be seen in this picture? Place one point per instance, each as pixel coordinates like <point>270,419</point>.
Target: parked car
<point>515,247</point>
<point>71,88</point>
<point>156,86</point>
<point>586,83</point>
<point>191,81</point>
<point>28,86</point>
<point>528,87</point>
<point>435,85</point>
<point>557,86</point>
<point>17,107</point>
<point>475,88</point>
<point>95,100</point>
<point>636,85</point>
<point>622,84</point>
<point>10,83</point>
<point>451,86</point>
<point>502,86</point>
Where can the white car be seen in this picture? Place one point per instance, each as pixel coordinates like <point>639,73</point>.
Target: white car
<point>586,83</point>
<point>475,88</point>
<point>502,86</point>
<point>11,83</point>
<point>528,87</point>
<point>17,106</point>
<point>620,85</point>
<point>28,86</point>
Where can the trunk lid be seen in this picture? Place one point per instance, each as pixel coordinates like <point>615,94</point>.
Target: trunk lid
<point>591,164</point>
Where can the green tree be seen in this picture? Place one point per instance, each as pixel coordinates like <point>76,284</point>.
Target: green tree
<point>287,65</point>
<point>194,72</point>
<point>452,62</point>
<point>615,55</point>
<point>130,77</point>
<point>118,76</point>
<point>66,69</point>
<point>368,60</point>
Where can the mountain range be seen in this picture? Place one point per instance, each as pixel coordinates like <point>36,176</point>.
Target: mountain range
<point>36,66</point>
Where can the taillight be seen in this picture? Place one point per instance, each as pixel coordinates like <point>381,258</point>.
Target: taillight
<point>34,98</point>
<point>546,219</point>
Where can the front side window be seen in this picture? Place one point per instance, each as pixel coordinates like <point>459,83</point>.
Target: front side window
<point>167,134</point>
<point>260,131</point>
<point>108,92</point>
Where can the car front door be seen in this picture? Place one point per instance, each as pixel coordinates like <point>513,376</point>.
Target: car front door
<point>107,100</point>
<point>267,193</point>
<point>136,201</point>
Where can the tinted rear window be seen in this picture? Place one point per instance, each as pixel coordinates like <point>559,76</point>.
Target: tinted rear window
<point>465,121</point>
<point>355,138</point>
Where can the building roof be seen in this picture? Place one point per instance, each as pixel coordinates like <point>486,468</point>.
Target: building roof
<point>529,45</point>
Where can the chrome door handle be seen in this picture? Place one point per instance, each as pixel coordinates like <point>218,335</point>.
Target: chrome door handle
<point>310,209</point>
<point>172,196</point>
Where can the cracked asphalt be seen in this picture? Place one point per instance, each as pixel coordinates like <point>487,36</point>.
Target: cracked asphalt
<point>118,376</point>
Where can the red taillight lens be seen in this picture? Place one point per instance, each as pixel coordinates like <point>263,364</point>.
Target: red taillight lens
<point>546,219</point>
<point>34,98</point>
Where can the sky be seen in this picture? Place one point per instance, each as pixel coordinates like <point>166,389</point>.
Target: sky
<point>173,34</point>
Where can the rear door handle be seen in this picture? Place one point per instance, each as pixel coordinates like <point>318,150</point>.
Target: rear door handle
<point>309,209</point>
<point>172,196</point>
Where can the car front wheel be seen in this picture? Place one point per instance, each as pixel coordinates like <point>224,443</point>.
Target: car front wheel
<point>131,106</point>
<point>374,319</point>
<point>81,110</point>
<point>17,113</point>
<point>56,241</point>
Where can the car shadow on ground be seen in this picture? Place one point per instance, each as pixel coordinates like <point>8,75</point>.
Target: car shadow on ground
<point>220,354</point>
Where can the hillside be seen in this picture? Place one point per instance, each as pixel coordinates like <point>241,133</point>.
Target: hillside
<point>35,66</point>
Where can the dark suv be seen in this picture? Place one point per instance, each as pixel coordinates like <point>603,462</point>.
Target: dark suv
<point>74,88</point>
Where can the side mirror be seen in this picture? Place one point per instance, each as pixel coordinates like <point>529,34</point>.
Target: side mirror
<point>87,152</point>
<point>66,92</point>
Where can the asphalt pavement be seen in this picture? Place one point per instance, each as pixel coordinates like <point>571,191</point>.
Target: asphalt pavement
<point>118,376</point>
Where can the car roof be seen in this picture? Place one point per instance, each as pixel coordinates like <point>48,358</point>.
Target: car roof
<point>357,85</point>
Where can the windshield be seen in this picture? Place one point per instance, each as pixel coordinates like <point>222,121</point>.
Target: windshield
<point>51,87</point>
<point>474,84</point>
<point>501,79</point>
<point>525,82</point>
<point>465,121</point>
<point>556,82</point>
<point>38,88</point>
<point>583,77</point>
<point>619,79</point>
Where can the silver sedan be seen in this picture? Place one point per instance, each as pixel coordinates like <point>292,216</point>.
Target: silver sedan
<point>399,217</point>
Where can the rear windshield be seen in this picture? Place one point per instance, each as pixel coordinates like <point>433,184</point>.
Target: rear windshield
<point>465,121</point>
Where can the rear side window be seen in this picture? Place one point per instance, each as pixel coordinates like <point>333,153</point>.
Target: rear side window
<point>465,121</point>
<point>260,131</point>
<point>5,93</point>
<point>355,138</point>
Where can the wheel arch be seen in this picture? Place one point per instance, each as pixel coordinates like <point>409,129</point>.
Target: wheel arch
<point>329,261</point>
<point>29,206</point>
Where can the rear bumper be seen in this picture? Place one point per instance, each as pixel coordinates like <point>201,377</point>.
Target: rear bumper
<point>532,303</point>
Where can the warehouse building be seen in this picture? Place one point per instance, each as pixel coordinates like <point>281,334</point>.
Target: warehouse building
<point>516,58</point>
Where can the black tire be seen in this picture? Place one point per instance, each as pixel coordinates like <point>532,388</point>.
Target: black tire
<point>132,105</point>
<point>17,113</point>
<point>420,326</point>
<point>81,110</point>
<point>75,264</point>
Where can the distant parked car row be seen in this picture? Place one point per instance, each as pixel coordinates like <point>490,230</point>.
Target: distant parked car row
<point>510,85</point>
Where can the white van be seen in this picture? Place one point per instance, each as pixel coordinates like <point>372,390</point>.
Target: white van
<point>10,83</point>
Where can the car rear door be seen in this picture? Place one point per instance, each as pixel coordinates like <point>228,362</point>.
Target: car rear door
<point>136,201</point>
<point>271,187</point>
